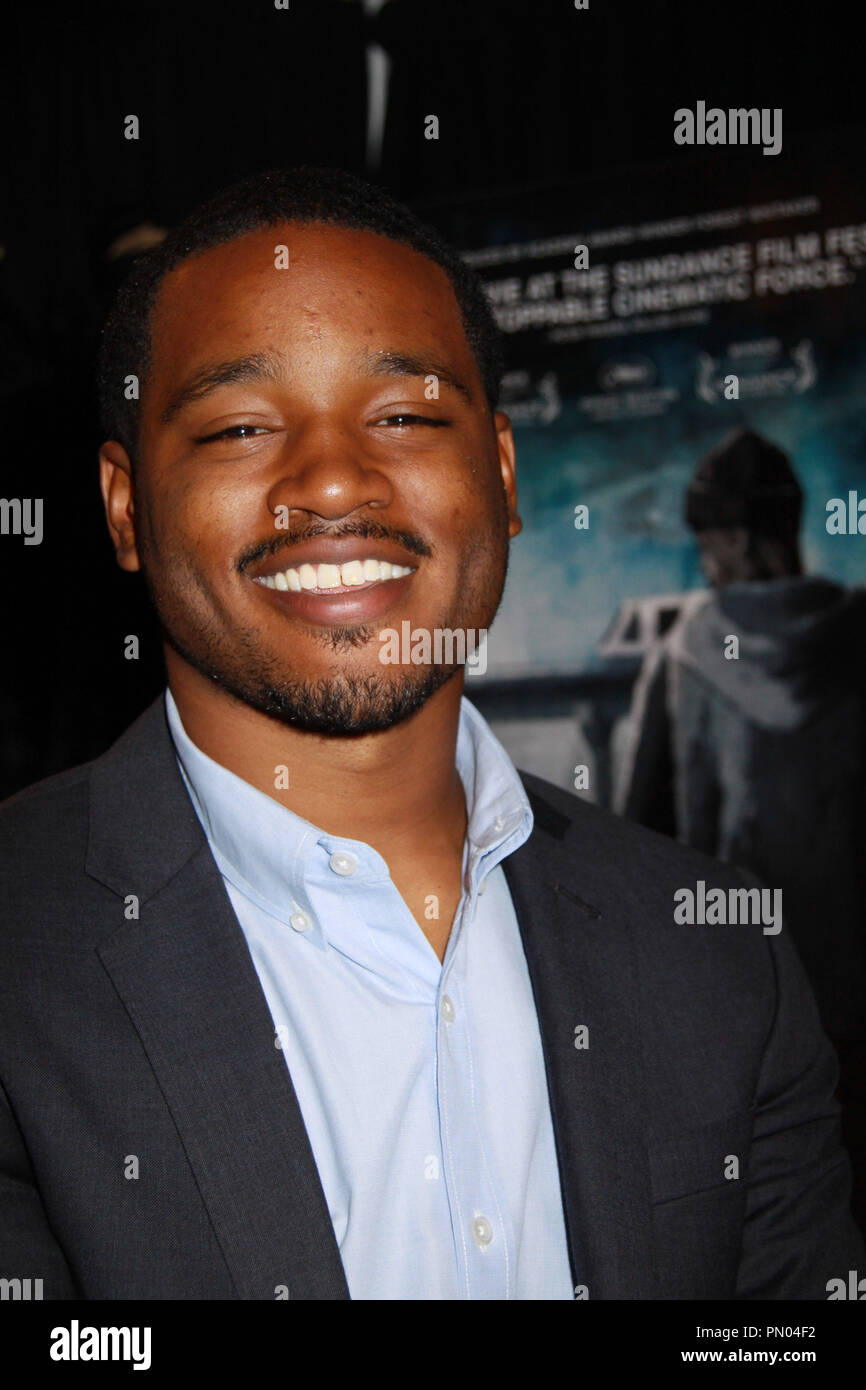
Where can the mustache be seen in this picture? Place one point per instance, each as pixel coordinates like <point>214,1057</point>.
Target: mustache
<point>362,530</point>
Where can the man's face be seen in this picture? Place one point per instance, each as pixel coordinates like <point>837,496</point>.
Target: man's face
<point>358,435</point>
<point>725,555</point>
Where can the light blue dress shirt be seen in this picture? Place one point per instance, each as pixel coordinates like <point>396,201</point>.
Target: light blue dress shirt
<point>421,1085</point>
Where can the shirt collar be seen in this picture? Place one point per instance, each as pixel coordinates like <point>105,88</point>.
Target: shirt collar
<point>268,851</point>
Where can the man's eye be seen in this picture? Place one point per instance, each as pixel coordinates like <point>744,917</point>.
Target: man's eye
<point>233,432</point>
<point>402,420</point>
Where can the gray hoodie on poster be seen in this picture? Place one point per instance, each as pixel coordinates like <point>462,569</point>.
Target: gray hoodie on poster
<point>761,760</point>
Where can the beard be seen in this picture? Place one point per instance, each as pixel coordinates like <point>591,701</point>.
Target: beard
<point>345,703</point>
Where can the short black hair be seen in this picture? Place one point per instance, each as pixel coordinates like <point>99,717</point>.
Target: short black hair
<point>303,194</point>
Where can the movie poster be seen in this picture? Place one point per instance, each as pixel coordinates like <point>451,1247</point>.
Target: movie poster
<point>642,324</point>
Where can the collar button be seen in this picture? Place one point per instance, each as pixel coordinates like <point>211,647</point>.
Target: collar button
<point>343,863</point>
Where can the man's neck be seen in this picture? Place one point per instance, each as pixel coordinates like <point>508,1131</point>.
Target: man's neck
<point>397,790</point>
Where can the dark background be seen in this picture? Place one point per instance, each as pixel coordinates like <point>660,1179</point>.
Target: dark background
<point>526,94</point>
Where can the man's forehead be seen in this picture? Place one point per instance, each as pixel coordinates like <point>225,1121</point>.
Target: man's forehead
<point>280,258</point>
<point>359,284</point>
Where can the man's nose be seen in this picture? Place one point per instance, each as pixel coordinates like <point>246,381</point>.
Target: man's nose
<point>325,471</point>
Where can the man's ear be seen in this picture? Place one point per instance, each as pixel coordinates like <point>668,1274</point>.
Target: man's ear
<point>507,467</point>
<point>115,482</point>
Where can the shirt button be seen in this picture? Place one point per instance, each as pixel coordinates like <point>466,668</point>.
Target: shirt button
<point>482,1232</point>
<point>498,824</point>
<point>301,921</point>
<point>343,863</point>
<point>449,1013</point>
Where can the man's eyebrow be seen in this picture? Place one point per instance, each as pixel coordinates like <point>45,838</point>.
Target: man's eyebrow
<point>259,366</point>
<point>409,364</point>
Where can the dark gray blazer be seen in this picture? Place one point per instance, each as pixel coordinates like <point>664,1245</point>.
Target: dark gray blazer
<point>152,1038</point>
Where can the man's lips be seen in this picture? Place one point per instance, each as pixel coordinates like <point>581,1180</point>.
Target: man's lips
<point>337,580</point>
<point>358,603</point>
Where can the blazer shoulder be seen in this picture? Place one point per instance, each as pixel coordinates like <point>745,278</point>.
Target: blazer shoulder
<point>44,827</point>
<point>48,805</point>
<point>630,878</point>
<point>44,801</point>
<point>613,843</point>
<point>561,811</point>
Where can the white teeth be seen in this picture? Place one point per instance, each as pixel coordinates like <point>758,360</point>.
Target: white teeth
<point>352,572</point>
<point>334,576</point>
<point>328,576</point>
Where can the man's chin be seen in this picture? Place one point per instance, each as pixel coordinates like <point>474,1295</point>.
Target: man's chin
<point>347,706</point>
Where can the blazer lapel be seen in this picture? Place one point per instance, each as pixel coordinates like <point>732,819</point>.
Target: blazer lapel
<point>583,975</point>
<point>188,982</point>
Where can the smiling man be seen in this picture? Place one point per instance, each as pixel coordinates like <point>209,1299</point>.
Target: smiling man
<point>306,993</point>
<point>319,460</point>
